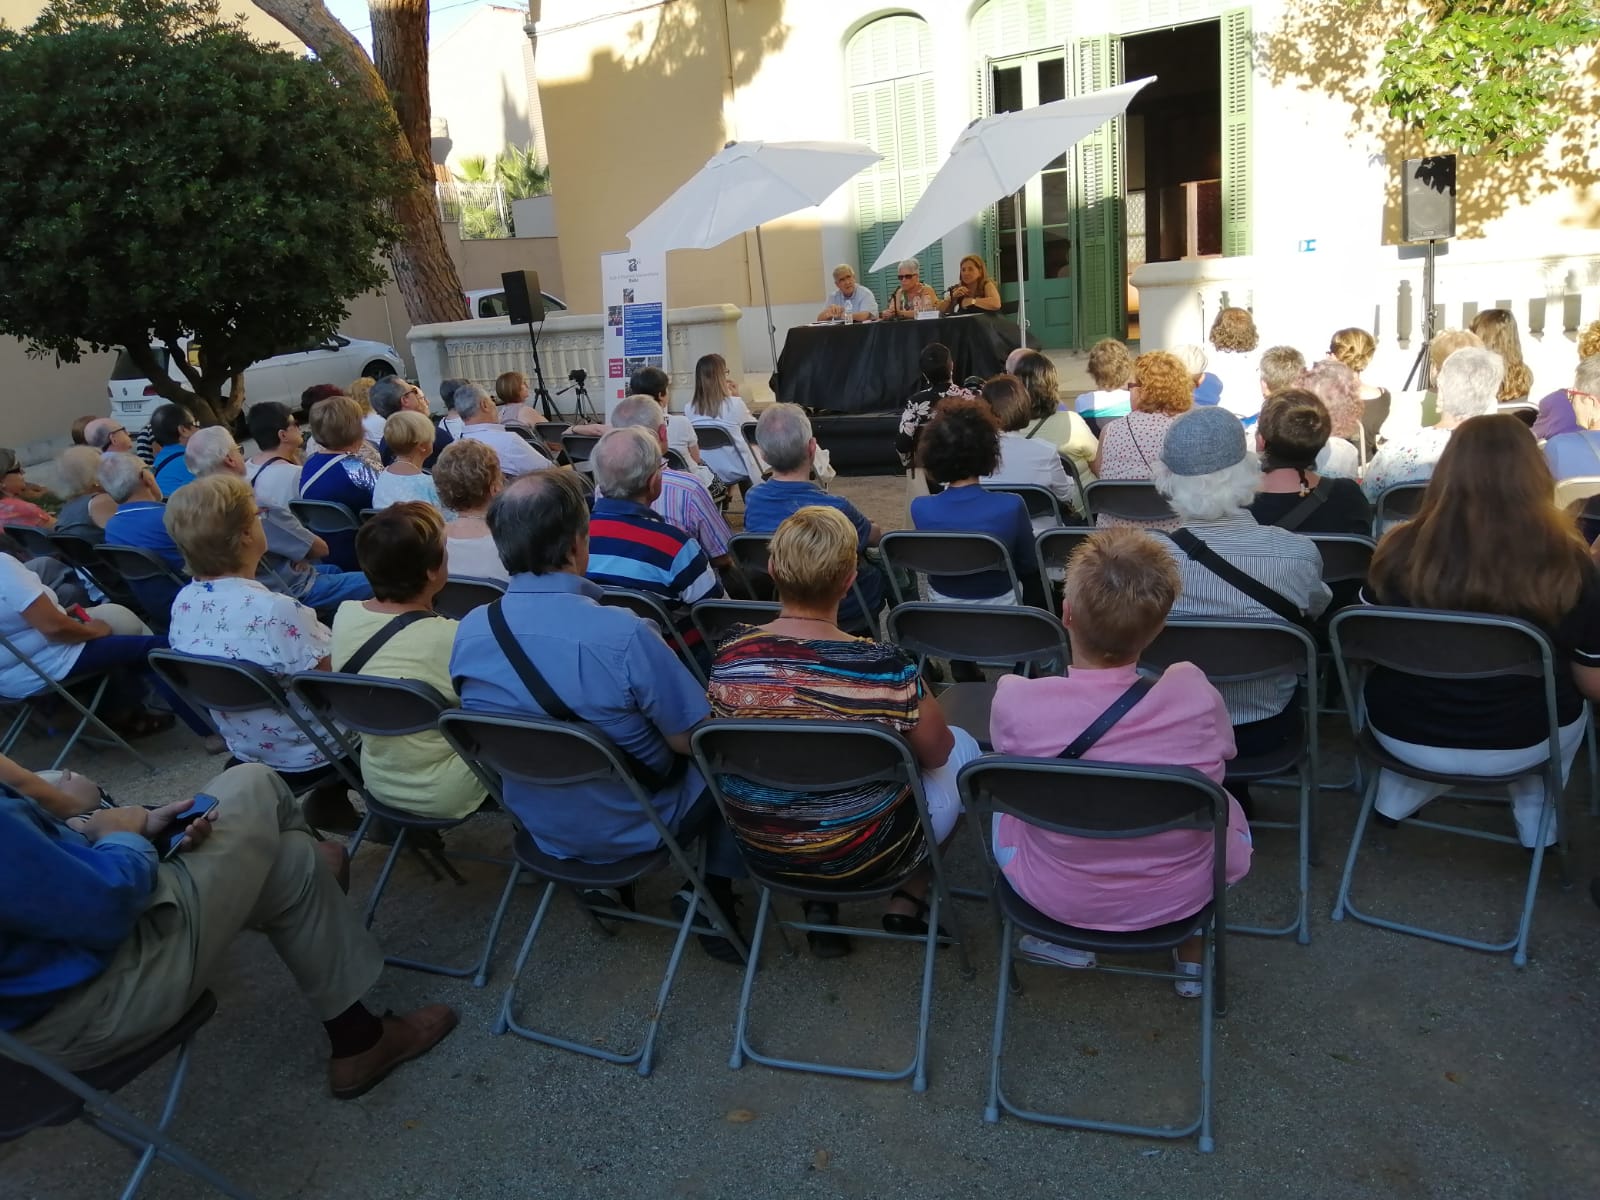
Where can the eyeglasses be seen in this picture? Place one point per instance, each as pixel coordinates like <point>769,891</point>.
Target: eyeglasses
<point>906,277</point>
<point>14,471</point>
<point>117,430</point>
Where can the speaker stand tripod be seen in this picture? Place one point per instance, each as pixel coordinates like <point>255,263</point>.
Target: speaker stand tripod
<point>1419,364</point>
<point>541,393</point>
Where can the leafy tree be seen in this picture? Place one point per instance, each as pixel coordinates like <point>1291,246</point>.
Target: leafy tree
<point>1478,76</point>
<point>168,176</point>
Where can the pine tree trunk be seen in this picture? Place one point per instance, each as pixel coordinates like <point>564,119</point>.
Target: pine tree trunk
<point>421,262</point>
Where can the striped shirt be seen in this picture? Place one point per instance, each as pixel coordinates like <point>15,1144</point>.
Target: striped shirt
<point>1288,563</point>
<point>684,502</point>
<point>632,547</point>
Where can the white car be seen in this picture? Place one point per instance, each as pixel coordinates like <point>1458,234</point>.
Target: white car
<point>491,302</point>
<point>335,359</point>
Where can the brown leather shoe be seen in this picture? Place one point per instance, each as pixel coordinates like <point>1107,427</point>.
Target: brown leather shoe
<point>336,859</point>
<point>404,1038</point>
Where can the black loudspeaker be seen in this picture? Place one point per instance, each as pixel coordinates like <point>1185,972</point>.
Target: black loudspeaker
<point>524,300</point>
<point>1428,199</point>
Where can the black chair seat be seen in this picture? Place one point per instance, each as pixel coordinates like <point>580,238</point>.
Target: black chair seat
<point>578,874</point>
<point>411,820</point>
<point>30,1101</point>
<point>1139,941</point>
<point>1281,760</point>
<point>967,705</point>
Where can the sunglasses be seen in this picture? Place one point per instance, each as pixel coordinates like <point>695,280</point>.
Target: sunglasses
<point>906,277</point>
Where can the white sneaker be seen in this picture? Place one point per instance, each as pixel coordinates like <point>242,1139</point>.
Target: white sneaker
<point>1040,951</point>
<point>1189,987</point>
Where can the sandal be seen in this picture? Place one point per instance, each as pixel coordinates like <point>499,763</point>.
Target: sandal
<point>909,925</point>
<point>1189,987</point>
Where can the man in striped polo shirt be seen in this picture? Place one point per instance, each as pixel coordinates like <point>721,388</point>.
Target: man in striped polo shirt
<point>632,546</point>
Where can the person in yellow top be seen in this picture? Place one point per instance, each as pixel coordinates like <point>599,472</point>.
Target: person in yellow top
<point>912,296</point>
<point>402,551</point>
<point>975,293</point>
<point>1064,429</point>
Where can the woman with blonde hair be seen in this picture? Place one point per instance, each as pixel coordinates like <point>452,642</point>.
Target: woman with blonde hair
<point>1497,327</point>
<point>371,423</point>
<point>1355,347</point>
<point>975,293</point>
<point>1488,538</point>
<point>510,396</point>
<point>409,436</point>
<point>716,402</point>
<point>801,665</point>
<point>1111,367</point>
<point>1339,389</point>
<point>1236,361</point>
<point>87,508</point>
<point>468,477</point>
<point>338,472</point>
<point>1162,390</point>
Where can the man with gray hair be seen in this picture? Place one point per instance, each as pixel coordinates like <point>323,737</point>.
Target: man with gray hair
<point>1469,386</point>
<point>632,546</point>
<point>480,422</point>
<point>108,436</point>
<point>390,395</point>
<point>684,500</point>
<point>850,301</point>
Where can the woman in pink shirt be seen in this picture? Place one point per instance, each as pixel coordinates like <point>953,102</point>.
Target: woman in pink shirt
<point>1121,584</point>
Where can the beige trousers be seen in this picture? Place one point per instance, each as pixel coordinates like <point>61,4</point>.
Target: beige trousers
<point>257,870</point>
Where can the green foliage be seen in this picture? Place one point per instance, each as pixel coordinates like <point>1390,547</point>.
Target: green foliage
<point>1481,76</point>
<point>475,169</point>
<point>481,220</point>
<point>521,173</point>
<point>168,176</point>
<point>515,174</point>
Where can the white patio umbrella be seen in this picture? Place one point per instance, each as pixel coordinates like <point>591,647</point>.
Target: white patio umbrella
<point>996,156</point>
<point>744,185</point>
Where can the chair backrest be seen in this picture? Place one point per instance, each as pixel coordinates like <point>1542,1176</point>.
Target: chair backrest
<point>86,557</point>
<point>150,583</point>
<point>654,609</point>
<point>924,552</point>
<point>551,431</point>
<point>1040,500</point>
<point>675,460</point>
<point>713,618</point>
<point>579,446</point>
<point>748,428</point>
<point>370,704</point>
<point>714,437</point>
<point>1579,487</point>
<point>1237,650</point>
<point>749,551</point>
<point>461,594</point>
<point>366,514</point>
<point>1127,500</point>
<point>1053,547</point>
<point>33,539</point>
<point>1397,502</point>
<point>985,633</point>
<point>1346,557</point>
<point>1523,410</point>
<point>325,516</point>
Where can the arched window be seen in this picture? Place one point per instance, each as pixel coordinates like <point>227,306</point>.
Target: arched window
<point>889,69</point>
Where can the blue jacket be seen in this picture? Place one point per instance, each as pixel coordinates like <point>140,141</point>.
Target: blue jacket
<point>65,906</point>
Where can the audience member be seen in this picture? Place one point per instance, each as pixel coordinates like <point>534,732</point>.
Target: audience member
<point>784,435</point>
<point>1130,446</point>
<point>120,942</point>
<point>15,507</point>
<point>338,473</point>
<point>1337,386</point>
<point>1050,420</point>
<point>397,635</point>
<point>801,666</point>
<point>391,394</point>
<point>1498,329</point>
<point>1487,539</point>
<point>468,478</point>
<point>511,394</point>
<point>138,519</point>
<point>1290,437</point>
<point>170,427</point>
<point>655,383</point>
<point>716,402</point>
<point>409,437</point>
<point>684,500</point>
<point>1578,452</point>
<point>1120,586</point>
<point>108,436</point>
<point>960,445</point>
<point>609,669</point>
<point>79,425</point>
<point>1555,410</point>
<point>1234,360</point>
<point>1445,343</point>
<point>273,472</point>
<point>1281,368</point>
<point>1355,348</point>
<point>87,507</point>
<point>1111,368</point>
<point>1024,459</point>
<point>1468,382</point>
<point>360,390</point>
<point>1207,387</point>
<point>451,423</point>
<point>481,423</point>
<point>937,369</point>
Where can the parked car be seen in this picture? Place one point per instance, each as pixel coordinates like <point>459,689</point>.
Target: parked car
<point>335,359</point>
<point>491,302</point>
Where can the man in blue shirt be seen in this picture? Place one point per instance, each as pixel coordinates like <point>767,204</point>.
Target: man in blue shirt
<point>608,667</point>
<point>170,427</point>
<point>848,301</point>
<point>104,944</point>
<point>784,434</point>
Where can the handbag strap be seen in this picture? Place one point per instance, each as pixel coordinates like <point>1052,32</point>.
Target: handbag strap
<point>1300,513</point>
<point>261,467</point>
<point>1103,723</point>
<point>1228,573</point>
<point>323,470</point>
<point>377,641</point>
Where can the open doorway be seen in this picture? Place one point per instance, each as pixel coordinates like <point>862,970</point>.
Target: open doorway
<point>1174,149</point>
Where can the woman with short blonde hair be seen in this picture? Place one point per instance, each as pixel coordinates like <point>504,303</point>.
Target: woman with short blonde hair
<point>1354,347</point>
<point>1111,367</point>
<point>339,472</point>
<point>468,477</point>
<point>510,397</point>
<point>1236,361</point>
<point>87,508</point>
<point>409,436</point>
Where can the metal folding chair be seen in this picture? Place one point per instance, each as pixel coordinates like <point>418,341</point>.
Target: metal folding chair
<point>1578,487</point>
<point>1041,501</point>
<point>552,755</point>
<point>1025,640</point>
<point>1524,410</point>
<point>749,554</point>
<point>1346,557</point>
<point>675,460</point>
<point>1461,647</point>
<point>377,708</point>
<point>551,431</point>
<point>32,539</point>
<point>713,618</point>
<point>1396,504</point>
<point>461,594</point>
<point>1127,500</point>
<point>915,552</point>
<point>36,1092</point>
<point>1249,650</point>
<point>1053,547</point>
<point>1104,801</point>
<point>824,756</point>
<point>651,608</point>
<point>61,690</point>
<point>85,558</point>
<point>578,447</point>
<point>151,582</point>
<point>323,517</point>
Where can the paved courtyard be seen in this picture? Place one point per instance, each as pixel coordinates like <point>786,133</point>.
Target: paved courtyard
<point>1364,1065</point>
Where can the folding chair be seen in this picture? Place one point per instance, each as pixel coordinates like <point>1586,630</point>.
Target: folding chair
<point>651,608</point>
<point>152,583</point>
<point>1578,487</point>
<point>824,756</point>
<point>35,1092</point>
<point>749,554</point>
<point>1396,504</point>
<point>1104,801</point>
<point>713,618</point>
<point>323,517</point>
<point>1053,547</point>
<point>579,446</point>
<point>1443,645</point>
<point>675,460</point>
<point>922,552</point>
<point>551,431</point>
<point>61,689</point>
<point>85,558</point>
<point>1041,501</point>
<point>1524,410</point>
<point>1127,500</point>
<point>377,707</point>
<point>1248,650</point>
<point>552,755</point>
<point>1028,641</point>
<point>1346,560</point>
<point>35,541</point>
<point>462,593</point>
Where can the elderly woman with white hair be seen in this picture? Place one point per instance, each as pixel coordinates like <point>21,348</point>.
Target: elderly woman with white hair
<point>1233,567</point>
<point>912,296</point>
<point>1469,386</point>
<point>88,507</point>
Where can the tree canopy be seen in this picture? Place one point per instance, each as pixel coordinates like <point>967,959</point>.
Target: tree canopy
<point>168,176</point>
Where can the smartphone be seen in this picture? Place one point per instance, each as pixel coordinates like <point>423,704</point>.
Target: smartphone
<point>167,842</point>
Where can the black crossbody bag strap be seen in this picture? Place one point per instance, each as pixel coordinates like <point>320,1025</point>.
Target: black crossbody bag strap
<point>1228,573</point>
<point>1119,709</point>
<point>377,641</point>
<point>1297,516</point>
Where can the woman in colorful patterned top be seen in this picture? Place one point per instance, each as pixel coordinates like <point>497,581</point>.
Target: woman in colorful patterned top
<point>801,665</point>
<point>15,507</point>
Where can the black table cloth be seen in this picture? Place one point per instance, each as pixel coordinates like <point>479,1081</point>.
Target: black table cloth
<point>871,366</point>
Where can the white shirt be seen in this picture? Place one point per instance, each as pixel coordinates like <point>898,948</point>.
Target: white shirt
<point>20,587</point>
<point>1339,460</point>
<point>730,466</point>
<point>372,426</point>
<point>240,618</point>
<point>1034,460</point>
<point>516,456</point>
<point>1240,373</point>
<point>473,558</point>
<point>275,483</point>
<point>680,437</point>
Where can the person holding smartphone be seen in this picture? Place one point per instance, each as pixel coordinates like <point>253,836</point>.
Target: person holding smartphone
<point>105,944</point>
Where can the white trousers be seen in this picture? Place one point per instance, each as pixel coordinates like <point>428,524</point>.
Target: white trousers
<point>939,784</point>
<point>1399,797</point>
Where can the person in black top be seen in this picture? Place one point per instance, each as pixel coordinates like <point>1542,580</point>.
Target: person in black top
<point>1487,539</point>
<point>1293,427</point>
<point>938,372</point>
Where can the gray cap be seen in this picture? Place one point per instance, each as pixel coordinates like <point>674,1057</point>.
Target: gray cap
<point>1203,441</point>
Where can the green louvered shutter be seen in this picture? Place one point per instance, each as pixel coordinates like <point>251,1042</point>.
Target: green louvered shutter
<point>1098,229</point>
<point>1238,55</point>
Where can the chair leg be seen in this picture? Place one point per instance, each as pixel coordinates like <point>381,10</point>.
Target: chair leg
<point>1210,996</point>
<point>919,1078</point>
<point>991,1111</point>
<point>482,976</point>
<point>1519,956</point>
<point>653,1026</point>
<point>1594,768</point>
<point>1368,799</point>
<point>742,1024</point>
<point>91,713</point>
<point>383,875</point>
<point>503,1021</point>
<point>1308,794</point>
